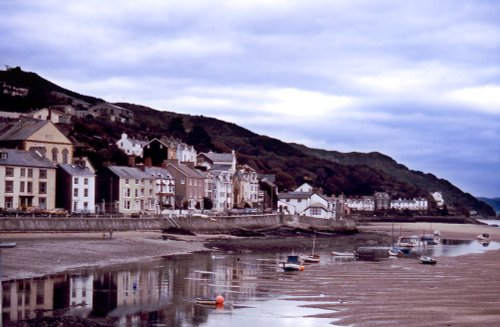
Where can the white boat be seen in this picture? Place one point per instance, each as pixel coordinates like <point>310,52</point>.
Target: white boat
<point>406,242</point>
<point>312,258</point>
<point>483,237</point>
<point>395,252</point>
<point>427,260</point>
<point>7,244</point>
<point>344,254</point>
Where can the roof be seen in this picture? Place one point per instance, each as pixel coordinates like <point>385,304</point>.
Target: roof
<point>188,171</point>
<point>23,159</point>
<point>20,130</point>
<point>128,172</point>
<point>157,172</point>
<point>76,170</point>
<point>221,167</point>
<point>219,157</point>
<point>317,205</point>
<point>294,195</point>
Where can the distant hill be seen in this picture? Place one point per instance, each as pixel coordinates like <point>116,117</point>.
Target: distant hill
<point>336,173</point>
<point>40,92</point>
<point>494,203</point>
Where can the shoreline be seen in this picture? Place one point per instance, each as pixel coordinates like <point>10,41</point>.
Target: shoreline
<point>55,252</point>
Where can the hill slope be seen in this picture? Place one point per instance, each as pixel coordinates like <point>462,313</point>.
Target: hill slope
<point>335,172</point>
<point>494,203</point>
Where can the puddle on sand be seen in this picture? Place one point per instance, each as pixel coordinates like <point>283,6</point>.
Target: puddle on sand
<point>271,312</point>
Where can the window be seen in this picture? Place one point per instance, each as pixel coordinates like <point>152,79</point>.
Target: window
<point>85,192</point>
<point>43,173</point>
<point>42,188</point>
<point>42,203</point>
<point>75,192</point>
<point>22,187</point>
<point>75,206</point>
<point>86,207</point>
<point>315,211</point>
<point>30,173</point>
<point>9,202</point>
<point>65,153</point>
<point>136,193</point>
<point>23,172</point>
<point>183,181</point>
<point>126,205</point>
<point>55,152</point>
<point>85,181</point>
<point>136,182</point>
<point>29,187</point>
<point>127,181</point>
<point>9,172</point>
<point>75,181</point>
<point>127,193</point>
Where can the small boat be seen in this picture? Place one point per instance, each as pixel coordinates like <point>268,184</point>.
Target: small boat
<point>427,260</point>
<point>344,254</point>
<point>205,301</point>
<point>483,237</point>
<point>292,264</point>
<point>218,301</point>
<point>7,244</point>
<point>395,252</point>
<point>406,242</point>
<point>312,258</point>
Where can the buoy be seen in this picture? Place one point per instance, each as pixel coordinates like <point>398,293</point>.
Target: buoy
<point>301,268</point>
<point>219,299</point>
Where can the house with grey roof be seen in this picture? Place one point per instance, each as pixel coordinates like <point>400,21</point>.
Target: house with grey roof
<point>307,201</point>
<point>221,168</point>
<point>76,187</point>
<point>27,180</point>
<point>37,135</point>
<point>164,184</point>
<point>125,190</point>
<point>189,185</point>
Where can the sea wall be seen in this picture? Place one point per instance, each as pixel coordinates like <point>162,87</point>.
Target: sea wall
<point>206,225</point>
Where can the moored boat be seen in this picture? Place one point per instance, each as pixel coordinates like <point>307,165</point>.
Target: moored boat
<point>292,264</point>
<point>395,252</point>
<point>483,237</point>
<point>7,244</point>
<point>344,254</point>
<point>427,260</point>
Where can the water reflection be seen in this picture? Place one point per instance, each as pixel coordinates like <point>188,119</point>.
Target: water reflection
<point>163,292</point>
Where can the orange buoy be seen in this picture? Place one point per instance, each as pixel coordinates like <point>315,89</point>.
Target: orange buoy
<point>219,300</point>
<point>301,268</point>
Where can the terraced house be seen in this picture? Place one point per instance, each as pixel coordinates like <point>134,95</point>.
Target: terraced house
<point>27,181</point>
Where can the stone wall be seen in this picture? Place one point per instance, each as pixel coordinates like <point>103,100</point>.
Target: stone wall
<point>207,225</point>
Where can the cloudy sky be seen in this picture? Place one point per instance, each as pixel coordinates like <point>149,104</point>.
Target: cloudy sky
<point>416,80</point>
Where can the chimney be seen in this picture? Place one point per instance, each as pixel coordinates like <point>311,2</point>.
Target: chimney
<point>131,161</point>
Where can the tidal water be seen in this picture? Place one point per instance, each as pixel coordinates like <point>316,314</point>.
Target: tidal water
<point>163,292</point>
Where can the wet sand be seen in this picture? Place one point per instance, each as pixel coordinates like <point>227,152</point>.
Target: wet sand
<point>458,291</point>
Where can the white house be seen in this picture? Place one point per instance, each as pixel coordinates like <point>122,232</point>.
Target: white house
<point>304,201</point>
<point>364,203</point>
<point>246,187</point>
<point>418,204</point>
<point>221,168</point>
<point>185,153</point>
<point>130,146</point>
<point>438,197</point>
<point>320,207</point>
<point>76,187</point>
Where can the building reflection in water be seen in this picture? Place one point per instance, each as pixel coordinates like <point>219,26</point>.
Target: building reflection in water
<point>159,291</point>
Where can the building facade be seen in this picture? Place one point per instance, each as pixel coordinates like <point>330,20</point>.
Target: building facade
<point>27,181</point>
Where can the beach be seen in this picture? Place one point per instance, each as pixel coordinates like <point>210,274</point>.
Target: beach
<point>458,291</point>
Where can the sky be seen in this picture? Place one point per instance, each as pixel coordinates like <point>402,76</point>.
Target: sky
<point>418,81</point>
